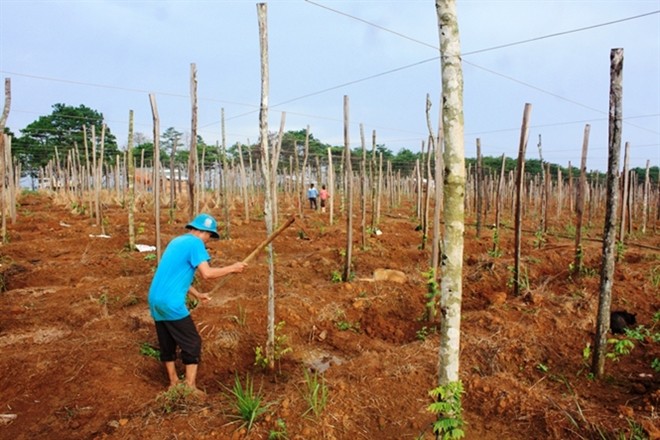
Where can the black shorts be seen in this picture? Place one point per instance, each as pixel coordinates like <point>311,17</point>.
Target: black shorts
<point>182,333</point>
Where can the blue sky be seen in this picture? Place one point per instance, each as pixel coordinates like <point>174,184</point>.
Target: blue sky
<point>109,55</point>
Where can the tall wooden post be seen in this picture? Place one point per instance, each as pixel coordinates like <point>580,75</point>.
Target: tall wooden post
<point>520,177</point>
<point>609,233</point>
<point>582,188</point>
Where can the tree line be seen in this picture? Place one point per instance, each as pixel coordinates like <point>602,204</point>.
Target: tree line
<point>70,128</point>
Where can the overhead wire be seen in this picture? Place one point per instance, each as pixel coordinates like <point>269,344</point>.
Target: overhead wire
<point>464,54</point>
<point>380,74</point>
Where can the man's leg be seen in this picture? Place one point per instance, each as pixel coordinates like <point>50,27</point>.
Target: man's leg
<point>167,350</point>
<point>171,373</point>
<point>191,376</point>
<point>190,342</point>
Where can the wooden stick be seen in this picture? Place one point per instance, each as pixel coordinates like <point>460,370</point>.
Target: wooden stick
<point>270,238</point>
<point>258,249</point>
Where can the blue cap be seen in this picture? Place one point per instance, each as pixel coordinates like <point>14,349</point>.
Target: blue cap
<point>204,222</point>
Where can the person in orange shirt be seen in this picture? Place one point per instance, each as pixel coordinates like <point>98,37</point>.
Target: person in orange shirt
<point>323,195</point>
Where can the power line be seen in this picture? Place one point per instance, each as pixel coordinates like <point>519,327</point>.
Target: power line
<point>370,77</point>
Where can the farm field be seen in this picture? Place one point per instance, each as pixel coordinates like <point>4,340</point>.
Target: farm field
<point>74,325</point>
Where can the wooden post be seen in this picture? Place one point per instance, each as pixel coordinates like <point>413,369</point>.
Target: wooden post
<point>454,189</point>
<point>130,165</point>
<point>477,187</point>
<point>331,186</point>
<point>348,172</point>
<point>520,174</point>
<point>192,159</point>
<point>156,173</point>
<point>582,188</point>
<point>225,186</point>
<point>4,140</point>
<point>363,190</point>
<point>609,233</point>
<point>645,196</point>
<point>624,191</point>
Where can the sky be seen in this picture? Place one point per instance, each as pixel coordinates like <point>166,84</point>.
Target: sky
<point>383,55</point>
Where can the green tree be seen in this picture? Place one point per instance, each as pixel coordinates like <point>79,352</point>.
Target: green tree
<point>168,139</point>
<point>62,129</point>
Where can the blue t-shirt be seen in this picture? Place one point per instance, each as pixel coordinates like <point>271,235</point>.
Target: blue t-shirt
<point>174,275</point>
<point>312,193</point>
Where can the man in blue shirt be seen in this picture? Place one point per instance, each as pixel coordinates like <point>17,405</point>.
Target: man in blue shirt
<point>312,194</point>
<point>172,281</point>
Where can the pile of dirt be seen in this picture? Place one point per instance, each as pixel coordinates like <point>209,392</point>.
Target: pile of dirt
<point>76,335</point>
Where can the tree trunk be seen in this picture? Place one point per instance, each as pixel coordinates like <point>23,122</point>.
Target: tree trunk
<point>266,166</point>
<point>454,192</point>
<point>609,232</point>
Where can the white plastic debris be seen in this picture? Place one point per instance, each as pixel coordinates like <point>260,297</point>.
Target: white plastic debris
<point>99,236</point>
<point>145,248</point>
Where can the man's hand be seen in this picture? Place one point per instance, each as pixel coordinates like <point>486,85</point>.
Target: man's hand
<point>238,267</point>
<point>203,297</point>
<point>199,296</point>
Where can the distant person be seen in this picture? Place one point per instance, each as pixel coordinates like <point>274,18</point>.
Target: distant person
<point>312,194</point>
<point>172,281</point>
<point>323,195</point>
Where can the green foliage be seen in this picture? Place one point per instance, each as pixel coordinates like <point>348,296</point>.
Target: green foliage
<point>620,250</point>
<point>424,332</point>
<point>315,393</point>
<point>191,302</point>
<point>345,326</point>
<point>636,432</point>
<point>448,408</point>
<point>62,129</point>
<point>655,276</point>
<point>147,350</point>
<point>620,347</point>
<point>280,348</point>
<point>260,359</point>
<point>586,352</point>
<point>655,365</point>
<point>495,252</point>
<point>150,257</point>
<point>247,403</point>
<point>539,239</point>
<point>336,276</point>
<point>523,278</point>
<point>432,295</point>
<point>280,432</point>
<point>570,230</point>
<point>78,208</point>
<point>543,368</point>
<point>174,398</point>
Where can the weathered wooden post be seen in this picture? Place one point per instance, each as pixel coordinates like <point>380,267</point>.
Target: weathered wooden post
<point>609,232</point>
